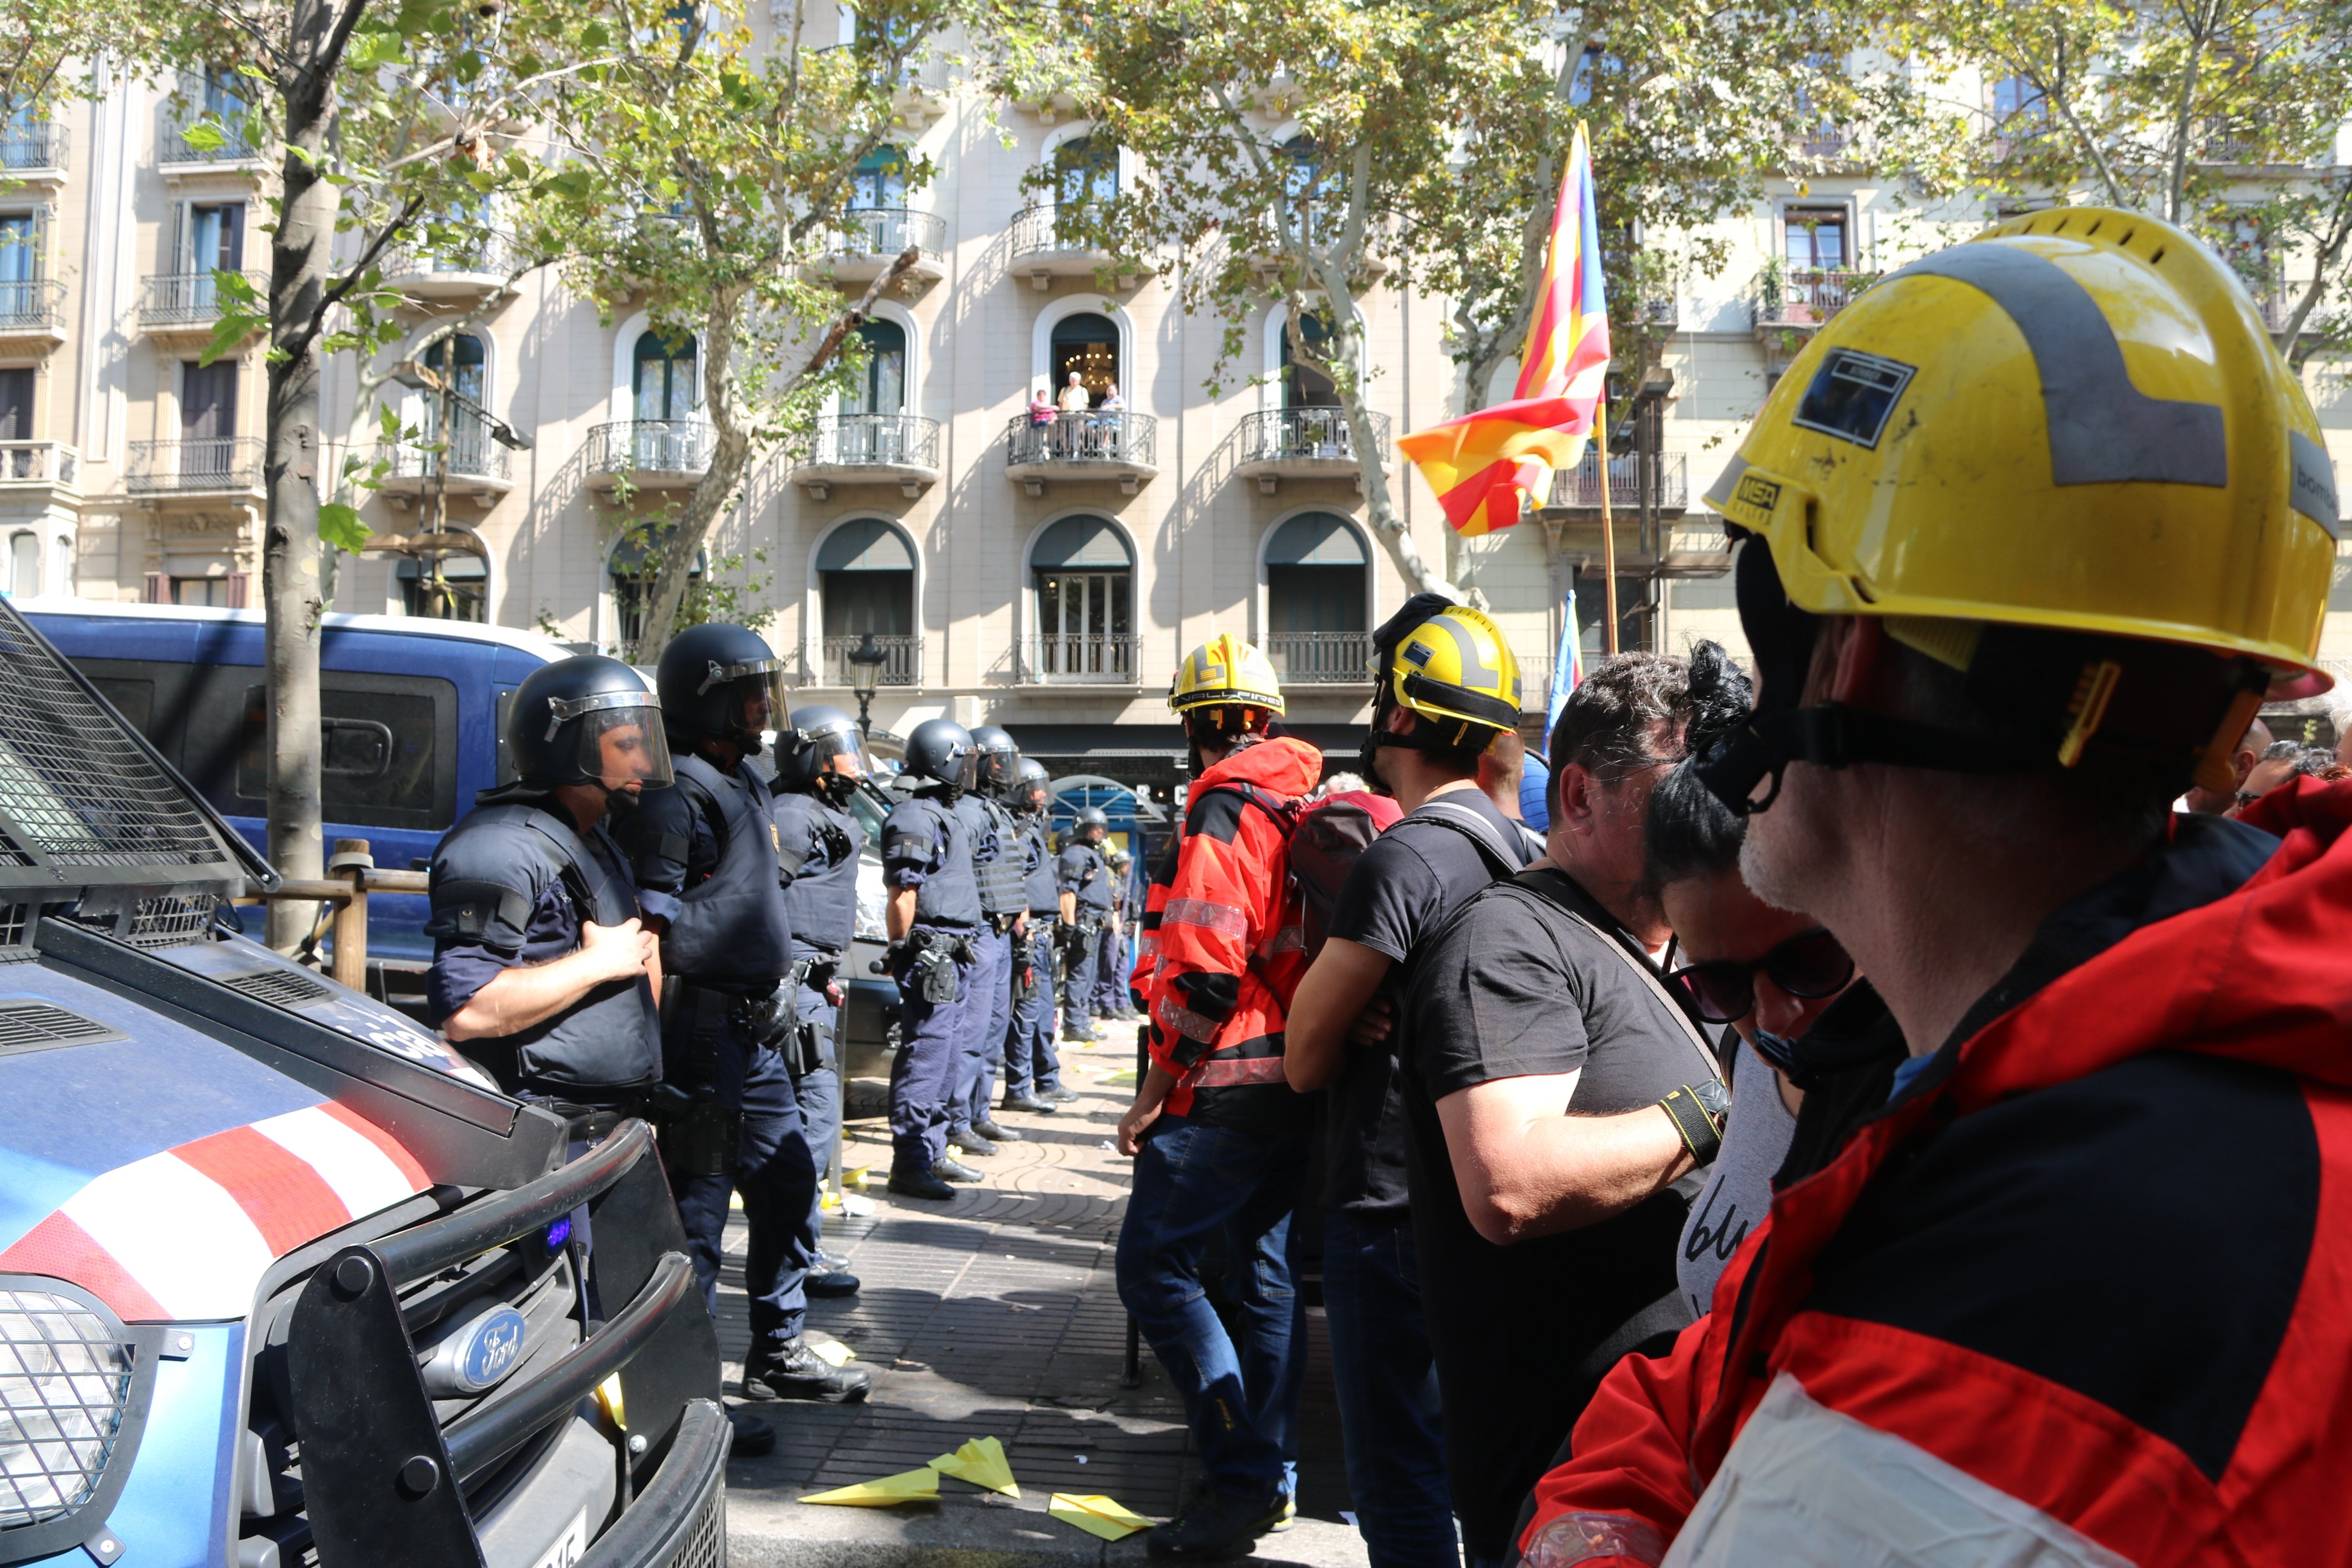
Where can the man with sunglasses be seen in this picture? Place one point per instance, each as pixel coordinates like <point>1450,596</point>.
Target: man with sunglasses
<point>2018,565</point>
<point>1543,1069</point>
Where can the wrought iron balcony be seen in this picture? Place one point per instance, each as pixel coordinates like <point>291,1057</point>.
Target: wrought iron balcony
<point>467,458</point>
<point>485,255</point>
<point>188,299</point>
<point>173,146</point>
<point>886,231</point>
<point>1103,443</point>
<point>40,144</point>
<point>653,454</point>
<point>1321,658</point>
<point>1804,297</point>
<point>1579,489</point>
<point>166,467</point>
<point>35,306</point>
<point>50,463</point>
<point>1046,245</point>
<point>1307,434</point>
<point>1107,658</point>
<point>902,662</point>
<point>901,449</point>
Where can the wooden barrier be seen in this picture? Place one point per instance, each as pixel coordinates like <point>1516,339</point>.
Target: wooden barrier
<point>351,875</point>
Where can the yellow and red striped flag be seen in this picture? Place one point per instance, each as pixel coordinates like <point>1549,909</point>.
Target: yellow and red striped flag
<point>1479,463</point>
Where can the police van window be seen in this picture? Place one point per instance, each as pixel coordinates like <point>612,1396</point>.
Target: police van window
<point>388,755</point>
<point>132,698</point>
<point>152,695</point>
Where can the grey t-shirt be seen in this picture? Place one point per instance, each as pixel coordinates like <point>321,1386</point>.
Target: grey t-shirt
<point>1739,1189</point>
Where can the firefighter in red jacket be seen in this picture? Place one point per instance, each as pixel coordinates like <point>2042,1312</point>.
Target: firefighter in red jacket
<point>1221,1144</point>
<point>2033,526</point>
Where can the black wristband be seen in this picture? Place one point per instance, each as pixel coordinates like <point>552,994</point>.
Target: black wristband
<point>1698,1115</point>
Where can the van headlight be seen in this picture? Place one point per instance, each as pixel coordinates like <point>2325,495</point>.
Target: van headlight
<point>64,1384</point>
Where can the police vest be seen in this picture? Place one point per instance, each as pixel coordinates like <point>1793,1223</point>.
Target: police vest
<point>995,855</point>
<point>731,923</point>
<point>821,900</point>
<point>610,1037</point>
<point>1094,881</point>
<point>929,834</point>
<point>1037,868</point>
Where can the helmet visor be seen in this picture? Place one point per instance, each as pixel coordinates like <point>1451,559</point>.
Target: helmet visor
<point>999,765</point>
<point>963,768</point>
<point>835,748</point>
<point>754,694</point>
<point>620,747</point>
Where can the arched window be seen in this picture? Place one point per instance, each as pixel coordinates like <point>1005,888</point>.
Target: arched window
<point>1085,574</point>
<point>466,435</point>
<point>866,581</point>
<point>443,587</point>
<point>1085,169</point>
<point>1086,344</point>
<point>631,567</point>
<point>879,180</point>
<point>1315,571</point>
<point>881,386</point>
<point>663,379</point>
<point>23,564</point>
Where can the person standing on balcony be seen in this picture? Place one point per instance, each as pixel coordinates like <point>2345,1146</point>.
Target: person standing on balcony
<point>1041,407</point>
<point>1076,432</point>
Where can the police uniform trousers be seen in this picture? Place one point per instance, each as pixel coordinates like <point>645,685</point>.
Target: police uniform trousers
<point>989,1013</point>
<point>819,1093</point>
<point>1030,1060</point>
<point>773,1173</point>
<point>1111,971</point>
<point>1079,983</point>
<point>930,1049</point>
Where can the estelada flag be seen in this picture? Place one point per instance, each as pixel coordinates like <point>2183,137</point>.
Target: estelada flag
<point>1479,463</point>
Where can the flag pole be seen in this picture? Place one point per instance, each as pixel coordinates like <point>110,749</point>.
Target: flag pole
<point>1608,525</point>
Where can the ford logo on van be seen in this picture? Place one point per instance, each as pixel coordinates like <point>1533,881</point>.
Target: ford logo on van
<point>476,1355</point>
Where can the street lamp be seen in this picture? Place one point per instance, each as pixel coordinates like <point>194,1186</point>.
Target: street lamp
<point>865,662</point>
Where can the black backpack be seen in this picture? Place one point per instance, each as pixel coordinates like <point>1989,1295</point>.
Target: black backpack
<point>1326,839</point>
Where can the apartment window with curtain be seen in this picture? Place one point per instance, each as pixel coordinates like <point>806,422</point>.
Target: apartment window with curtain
<point>1083,571</point>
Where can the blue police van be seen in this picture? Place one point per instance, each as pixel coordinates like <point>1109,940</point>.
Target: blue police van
<point>412,710</point>
<point>283,1278</point>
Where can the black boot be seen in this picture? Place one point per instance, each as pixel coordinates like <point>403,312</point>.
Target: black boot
<point>1029,1103</point>
<point>954,1170</point>
<point>972,1141</point>
<point>753,1437</point>
<point>988,1129</point>
<point>796,1371</point>
<point>1217,1524</point>
<point>1059,1095</point>
<point>920,1183</point>
<point>829,1284</point>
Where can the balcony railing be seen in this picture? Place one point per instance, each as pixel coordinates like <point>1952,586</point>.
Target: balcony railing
<point>1038,227</point>
<point>172,145</point>
<point>32,305</point>
<point>490,254</point>
<point>1105,656</point>
<point>1823,142</point>
<point>1103,437</point>
<point>188,298</point>
<point>886,440</point>
<point>228,463</point>
<point>1289,433</point>
<point>1321,657</point>
<point>1805,297</point>
<point>468,453</point>
<point>650,446</point>
<point>886,231</point>
<point>1580,486</point>
<point>40,145</point>
<point>902,664</point>
<point>39,463</point>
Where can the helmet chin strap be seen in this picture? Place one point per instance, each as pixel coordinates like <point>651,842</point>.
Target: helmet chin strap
<point>619,802</point>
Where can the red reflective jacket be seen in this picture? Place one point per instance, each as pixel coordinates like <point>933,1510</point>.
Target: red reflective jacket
<point>1232,945</point>
<point>2087,1299</point>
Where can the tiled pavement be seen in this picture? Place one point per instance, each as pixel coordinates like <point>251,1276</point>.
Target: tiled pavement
<point>997,1315</point>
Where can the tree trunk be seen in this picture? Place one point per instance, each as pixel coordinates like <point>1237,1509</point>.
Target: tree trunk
<point>291,589</point>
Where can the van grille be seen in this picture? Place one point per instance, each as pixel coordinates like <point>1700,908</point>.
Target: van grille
<point>279,987</point>
<point>26,1026</point>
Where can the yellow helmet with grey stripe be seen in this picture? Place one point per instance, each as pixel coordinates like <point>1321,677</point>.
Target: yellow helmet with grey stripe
<point>2063,457</point>
<point>1225,672</point>
<point>1456,668</point>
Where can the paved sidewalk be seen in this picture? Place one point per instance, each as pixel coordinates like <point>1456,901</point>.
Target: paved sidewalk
<point>997,1315</point>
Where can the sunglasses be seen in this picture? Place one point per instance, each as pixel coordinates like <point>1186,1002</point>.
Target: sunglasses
<point>1809,966</point>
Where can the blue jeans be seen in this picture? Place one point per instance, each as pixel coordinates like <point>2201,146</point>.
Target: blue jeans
<point>990,1010</point>
<point>1387,1384</point>
<point>1241,1401</point>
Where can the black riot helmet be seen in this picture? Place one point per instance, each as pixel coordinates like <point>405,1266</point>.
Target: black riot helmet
<point>1091,817</point>
<point>1000,759</point>
<point>587,720</point>
<point>721,682</point>
<point>942,750</point>
<point>820,751</point>
<point>1032,787</point>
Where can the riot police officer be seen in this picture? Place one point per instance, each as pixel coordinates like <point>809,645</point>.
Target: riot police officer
<point>542,970</point>
<point>1032,1073</point>
<point>1110,1001</point>
<point>1084,879</point>
<point>820,758</point>
<point>706,874</point>
<point>1005,916</point>
<point>933,916</point>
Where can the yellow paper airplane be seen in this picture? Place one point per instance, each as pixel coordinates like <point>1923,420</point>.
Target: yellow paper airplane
<point>912,1486</point>
<point>854,1177</point>
<point>982,1463</point>
<point>832,1352</point>
<point>1097,1516</point>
